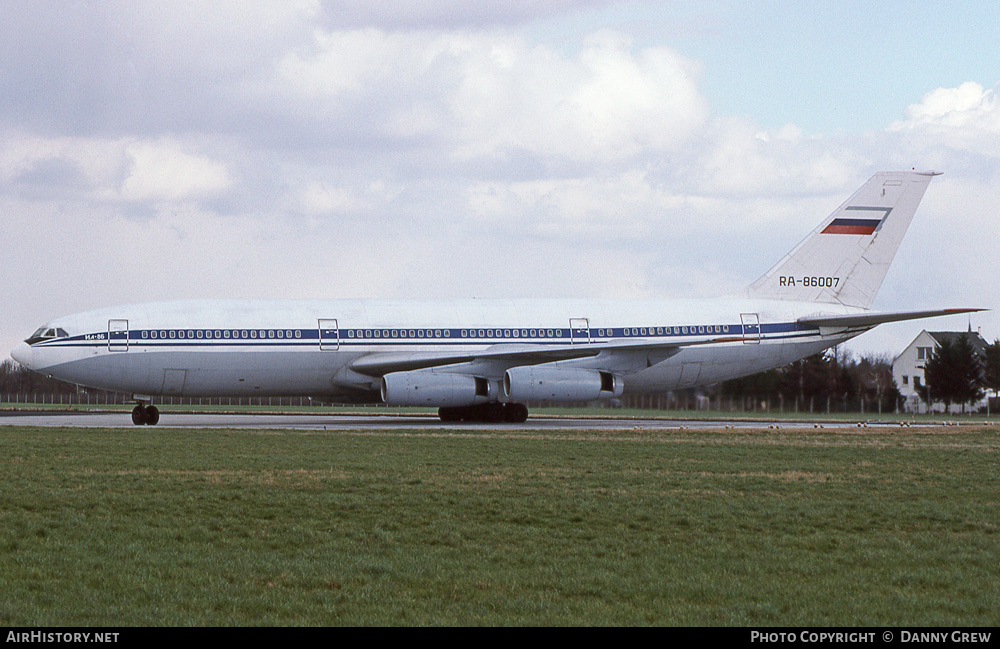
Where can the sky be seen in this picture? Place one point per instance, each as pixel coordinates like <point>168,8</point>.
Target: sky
<point>307,149</point>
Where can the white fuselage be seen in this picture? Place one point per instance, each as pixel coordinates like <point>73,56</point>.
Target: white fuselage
<point>314,347</point>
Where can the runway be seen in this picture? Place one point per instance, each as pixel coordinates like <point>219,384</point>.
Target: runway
<point>370,422</point>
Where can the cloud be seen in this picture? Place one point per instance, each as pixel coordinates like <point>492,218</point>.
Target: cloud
<point>122,170</point>
<point>486,94</point>
<point>162,171</point>
<point>968,104</point>
<point>963,118</point>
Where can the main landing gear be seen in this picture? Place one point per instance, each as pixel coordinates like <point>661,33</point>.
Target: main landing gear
<point>147,415</point>
<point>493,413</point>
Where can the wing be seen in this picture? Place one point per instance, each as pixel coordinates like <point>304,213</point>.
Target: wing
<point>506,356</point>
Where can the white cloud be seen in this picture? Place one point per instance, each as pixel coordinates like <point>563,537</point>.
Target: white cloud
<point>111,170</point>
<point>488,93</point>
<point>163,171</point>
<point>964,118</point>
<point>966,104</point>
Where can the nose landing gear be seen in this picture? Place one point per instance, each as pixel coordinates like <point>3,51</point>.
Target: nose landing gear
<point>147,415</point>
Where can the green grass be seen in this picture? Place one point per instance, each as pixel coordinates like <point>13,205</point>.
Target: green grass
<point>768,527</point>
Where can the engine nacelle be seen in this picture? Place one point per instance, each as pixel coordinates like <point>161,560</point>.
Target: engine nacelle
<point>437,389</point>
<point>539,383</point>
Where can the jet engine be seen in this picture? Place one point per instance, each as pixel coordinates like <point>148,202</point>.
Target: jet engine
<point>540,383</point>
<point>430,388</point>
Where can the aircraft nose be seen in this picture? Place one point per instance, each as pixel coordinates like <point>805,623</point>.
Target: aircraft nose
<point>23,354</point>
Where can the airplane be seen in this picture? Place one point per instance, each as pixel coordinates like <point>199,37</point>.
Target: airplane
<point>484,359</point>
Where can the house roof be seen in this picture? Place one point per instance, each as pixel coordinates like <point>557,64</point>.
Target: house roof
<point>952,336</point>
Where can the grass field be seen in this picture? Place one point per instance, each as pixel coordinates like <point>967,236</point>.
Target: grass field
<point>769,527</point>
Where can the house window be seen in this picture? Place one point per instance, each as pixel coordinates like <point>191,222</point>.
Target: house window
<point>924,353</point>
<point>906,380</point>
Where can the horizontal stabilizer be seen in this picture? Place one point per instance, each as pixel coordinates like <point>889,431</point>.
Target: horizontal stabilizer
<point>872,319</point>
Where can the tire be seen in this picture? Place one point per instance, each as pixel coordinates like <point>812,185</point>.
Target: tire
<point>515,413</point>
<point>152,415</point>
<point>139,416</point>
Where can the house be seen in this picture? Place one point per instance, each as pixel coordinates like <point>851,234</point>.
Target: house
<point>908,368</point>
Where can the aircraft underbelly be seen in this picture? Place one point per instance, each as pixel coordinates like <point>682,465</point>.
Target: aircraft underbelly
<point>199,374</point>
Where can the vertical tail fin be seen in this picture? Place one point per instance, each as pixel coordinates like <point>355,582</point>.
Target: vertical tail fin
<point>846,258</point>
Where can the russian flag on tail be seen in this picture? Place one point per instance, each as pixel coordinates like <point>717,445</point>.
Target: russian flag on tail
<point>852,226</point>
<point>857,225</point>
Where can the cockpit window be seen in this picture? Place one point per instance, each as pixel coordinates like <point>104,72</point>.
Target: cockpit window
<point>46,333</point>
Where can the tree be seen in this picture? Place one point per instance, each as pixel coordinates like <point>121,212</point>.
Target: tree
<point>954,374</point>
<point>875,378</point>
<point>991,374</point>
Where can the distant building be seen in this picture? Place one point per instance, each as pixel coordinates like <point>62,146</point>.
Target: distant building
<point>908,368</point>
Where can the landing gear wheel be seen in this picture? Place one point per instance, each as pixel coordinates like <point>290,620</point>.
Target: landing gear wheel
<point>145,415</point>
<point>152,415</point>
<point>492,413</point>
<point>139,416</point>
<point>515,413</point>
<point>495,413</point>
